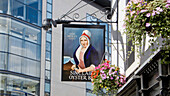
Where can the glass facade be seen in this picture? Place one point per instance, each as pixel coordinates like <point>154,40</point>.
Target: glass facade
<point>11,85</point>
<point>20,47</point>
<point>28,10</point>
<point>48,52</point>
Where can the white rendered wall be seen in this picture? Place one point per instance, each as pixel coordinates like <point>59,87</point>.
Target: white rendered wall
<point>119,48</point>
<point>43,46</point>
<point>58,87</point>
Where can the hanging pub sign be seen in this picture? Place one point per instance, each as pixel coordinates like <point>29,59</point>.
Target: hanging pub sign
<point>83,47</point>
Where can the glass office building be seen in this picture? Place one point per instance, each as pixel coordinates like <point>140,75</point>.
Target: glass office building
<point>20,47</point>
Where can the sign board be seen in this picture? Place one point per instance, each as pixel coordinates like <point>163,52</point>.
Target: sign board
<point>83,47</point>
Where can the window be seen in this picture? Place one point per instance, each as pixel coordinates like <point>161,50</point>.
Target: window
<point>29,10</point>
<point>23,65</point>
<point>18,86</point>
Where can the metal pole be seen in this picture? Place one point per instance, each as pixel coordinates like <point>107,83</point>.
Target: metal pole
<point>117,34</point>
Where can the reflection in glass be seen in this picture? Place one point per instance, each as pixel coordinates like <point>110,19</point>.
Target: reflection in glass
<point>25,31</point>
<point>49,7</point>
<point>47,74</point>
<point>3,42</point>
<point>49,1</point>
<point>14,63</point>
<point>24,66</point>
<point>18,86</point>
<point>47,87</point>
<point>49,15</point>
<point>3,25</point>
<point>15,45</point>
<point>29,10</point>
<point>48,55</point>
<point>3,6</point>
<point>17,9</point>
<point>3,60</point>
<point>48,65</point>
<point>21,47</point>
<point>48,37</point>
<point>48,46</point>
<point>31,67</point>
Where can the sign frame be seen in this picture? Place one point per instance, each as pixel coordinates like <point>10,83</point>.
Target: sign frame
<point>72,33</point>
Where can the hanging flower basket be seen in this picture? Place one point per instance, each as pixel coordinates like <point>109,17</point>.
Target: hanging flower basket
<point>106,79</point>
<point>147,17</point>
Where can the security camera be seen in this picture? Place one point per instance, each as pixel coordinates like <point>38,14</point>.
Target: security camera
<point>47,24</point>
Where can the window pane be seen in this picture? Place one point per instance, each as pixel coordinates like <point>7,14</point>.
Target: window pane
<point>47,87</point>
<point>49,15</point>
<point>47,74</point>
<point>32,50</point>
<point>14,63</point>
<point>3,25</point>
<point>49,7</point>
<point>32,15</point>
<point>48,46</point>
<point>23,65</point>
<point>3,60</point>
<point>3,6</point>
<point>48,55</point>
<point>49,37</point>
<point>23,48</point>
<point>15,45</point>
<point>25,31</point>
<point>48,65</point>
<point>3,42</point>
<point>49,1</point>
<point>18,9</point>
<point>31,67</point>
<point>33,3</point>
<point>14,85</point>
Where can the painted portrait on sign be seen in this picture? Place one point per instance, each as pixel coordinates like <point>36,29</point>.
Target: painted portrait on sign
<point>83,49</point>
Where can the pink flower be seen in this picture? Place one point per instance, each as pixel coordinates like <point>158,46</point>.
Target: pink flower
<point>159,9</point>
<point>92,83</point>
<point>167,5</point>
<point>168,1</point>
<point>132,12</point>
<point>101,70</point>
<point>120,85</point>
<point>153,14</point>
<point>135,1</point>
<point>124,26</point>
<point>148,24</point>
<point>111,78</point>
<point>110,71</point>
<point>138,5</point>
<point>135,16</point>
<point>103,76</point>
<point>148,14</point>
<point>121,80</point>
<point>117,82</point>
<point>98,67</point>
<point>157,12</point>
<point>117,78</point>
<point>144,10</point>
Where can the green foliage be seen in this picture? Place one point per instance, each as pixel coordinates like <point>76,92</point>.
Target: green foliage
<point>147,17</point>
<point>106,79</point>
